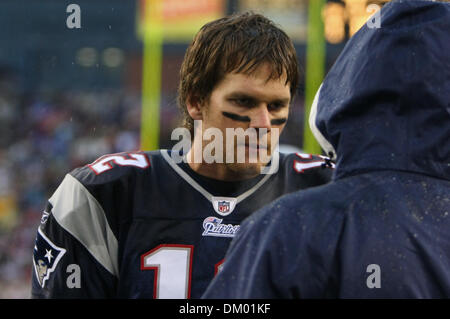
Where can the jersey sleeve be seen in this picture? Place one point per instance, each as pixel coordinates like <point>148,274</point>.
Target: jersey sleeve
<point>75,253</point>
<point>307,170</point>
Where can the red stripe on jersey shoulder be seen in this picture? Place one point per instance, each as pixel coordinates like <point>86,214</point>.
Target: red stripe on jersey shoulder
<point>137,159</point>
<point>304,162</point>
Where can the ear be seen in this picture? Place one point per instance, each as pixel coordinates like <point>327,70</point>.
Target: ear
<point>194,107</point>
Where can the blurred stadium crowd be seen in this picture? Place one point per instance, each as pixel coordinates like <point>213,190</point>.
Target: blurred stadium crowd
<point>43,136</point>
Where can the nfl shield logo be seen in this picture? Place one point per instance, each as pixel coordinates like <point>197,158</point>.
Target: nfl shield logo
<point>223,206</point>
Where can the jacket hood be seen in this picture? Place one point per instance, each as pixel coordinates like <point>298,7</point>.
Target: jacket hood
<point>385,103</point>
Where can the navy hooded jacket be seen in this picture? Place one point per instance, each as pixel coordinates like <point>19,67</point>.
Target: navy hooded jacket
<point>381,228</point>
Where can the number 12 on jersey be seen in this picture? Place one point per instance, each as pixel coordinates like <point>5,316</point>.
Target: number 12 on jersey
<point>172,265</point>
<point>173,269</point>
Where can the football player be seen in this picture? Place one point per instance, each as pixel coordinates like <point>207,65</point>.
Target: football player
<point>148,225</point>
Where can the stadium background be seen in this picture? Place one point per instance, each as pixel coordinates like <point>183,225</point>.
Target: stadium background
<point>68,96</point>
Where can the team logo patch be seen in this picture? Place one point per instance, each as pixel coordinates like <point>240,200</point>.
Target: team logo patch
<point>213,227</point>
<point>45,258</point>
<point>224,205</point>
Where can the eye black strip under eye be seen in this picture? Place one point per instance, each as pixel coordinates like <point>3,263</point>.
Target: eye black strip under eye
<point>247,119</point>
<point>278,121</point>
<point>236,117</point>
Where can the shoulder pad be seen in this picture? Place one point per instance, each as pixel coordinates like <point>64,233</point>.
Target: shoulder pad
<point>112,166</point>
<point>78,212</point>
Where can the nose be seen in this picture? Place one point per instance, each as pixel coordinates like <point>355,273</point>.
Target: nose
<point>260,118</point>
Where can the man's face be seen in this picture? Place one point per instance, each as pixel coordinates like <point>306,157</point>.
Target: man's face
<point>247,101</point>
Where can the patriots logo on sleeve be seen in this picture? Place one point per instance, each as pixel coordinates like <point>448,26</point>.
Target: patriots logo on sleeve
<point>45,258</point>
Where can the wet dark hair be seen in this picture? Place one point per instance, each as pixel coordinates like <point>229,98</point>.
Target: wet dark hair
<point>239,43</point>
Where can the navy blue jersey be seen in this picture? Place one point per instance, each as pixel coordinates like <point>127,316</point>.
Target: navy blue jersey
<point>139,225</point>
